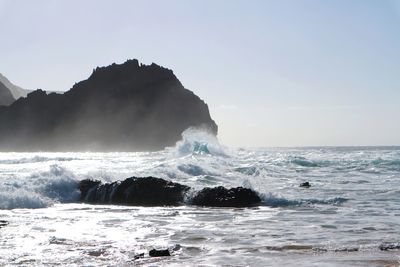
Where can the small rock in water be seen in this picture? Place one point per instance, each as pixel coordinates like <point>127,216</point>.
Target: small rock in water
<point>177,247</point>
<point>305,184</point>
<point>344,249</point>
<point>389,246</point>
<point>3,223</point>
<point>159,253</point>
<point>96,253</point>
<point>139,256</point>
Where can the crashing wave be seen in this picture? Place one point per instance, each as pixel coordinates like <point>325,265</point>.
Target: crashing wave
<point>40,190</point>
<point>199,142</point>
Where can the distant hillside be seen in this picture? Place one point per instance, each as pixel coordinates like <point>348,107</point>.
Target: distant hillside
<point>15,90</point>
<point>126,107</point>
<point>6,98</point>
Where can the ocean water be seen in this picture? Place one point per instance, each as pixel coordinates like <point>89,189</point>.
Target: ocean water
<point>350,216</point>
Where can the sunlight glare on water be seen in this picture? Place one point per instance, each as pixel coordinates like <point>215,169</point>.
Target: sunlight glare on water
<point>351,209</point>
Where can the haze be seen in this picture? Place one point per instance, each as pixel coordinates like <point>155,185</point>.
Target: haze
<point>274,73</point>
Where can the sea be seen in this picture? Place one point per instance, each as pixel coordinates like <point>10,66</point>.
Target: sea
<point>350,216</point>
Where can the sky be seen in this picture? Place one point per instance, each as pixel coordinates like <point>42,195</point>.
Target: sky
<point>274,73</point>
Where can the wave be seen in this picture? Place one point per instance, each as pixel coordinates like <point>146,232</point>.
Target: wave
<point>14,199</point>
<point>385,246</point>
<point>363,165</point>
<point>389,164</point>
<point>271,200</point>
<point>40,190</point>
<point>192,169</point>
<point>199,142</point>
<point>59,185</point>
<point>248,170</point>
<point>34,159</point>
<point>303,162</point>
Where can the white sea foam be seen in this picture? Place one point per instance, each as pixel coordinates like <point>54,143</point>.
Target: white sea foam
<point>39,190</point>
<point>353,202</point>
<point>35,159</point>
<point>199,142</point>
<point>271,200</point>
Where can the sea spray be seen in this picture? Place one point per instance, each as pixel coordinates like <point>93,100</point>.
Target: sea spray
<point>41,189</point>
<point>197,141</point>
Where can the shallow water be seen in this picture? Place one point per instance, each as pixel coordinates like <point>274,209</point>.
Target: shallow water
<point>352,208</point>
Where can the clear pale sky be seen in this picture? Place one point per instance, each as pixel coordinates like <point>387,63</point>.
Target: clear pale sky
<point>274,73</point>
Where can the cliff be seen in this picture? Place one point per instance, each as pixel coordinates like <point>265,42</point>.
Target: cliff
<point>6,98</point>
<point>126,107</point>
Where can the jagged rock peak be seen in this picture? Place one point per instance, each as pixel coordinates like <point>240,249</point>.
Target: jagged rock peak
<point>131,65</point>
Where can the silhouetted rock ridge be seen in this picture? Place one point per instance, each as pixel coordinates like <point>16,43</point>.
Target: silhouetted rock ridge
<point>121,107</point>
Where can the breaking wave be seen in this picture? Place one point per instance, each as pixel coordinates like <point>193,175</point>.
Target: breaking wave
<point>389,164</point>
<point>199,161</point>
<point>40,190</point>
<point>271,200</point>
<point>303,162</point>
<point>199,142</point>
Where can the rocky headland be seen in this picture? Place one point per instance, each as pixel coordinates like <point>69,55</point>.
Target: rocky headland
<point>121,107</point>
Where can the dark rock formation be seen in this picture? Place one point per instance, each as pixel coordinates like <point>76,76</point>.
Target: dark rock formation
<point>389,246</point>
<point>127,107</point>
<point>147,191</point>
<point>86,185</point>
<point>350,249</point>
<point>3,223</point>
<point>6,98</point>
<point>223,197</point>
<point>138,256</point>
<point>159,253</point>
<point>151,191</point>
<point>305,184</point>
